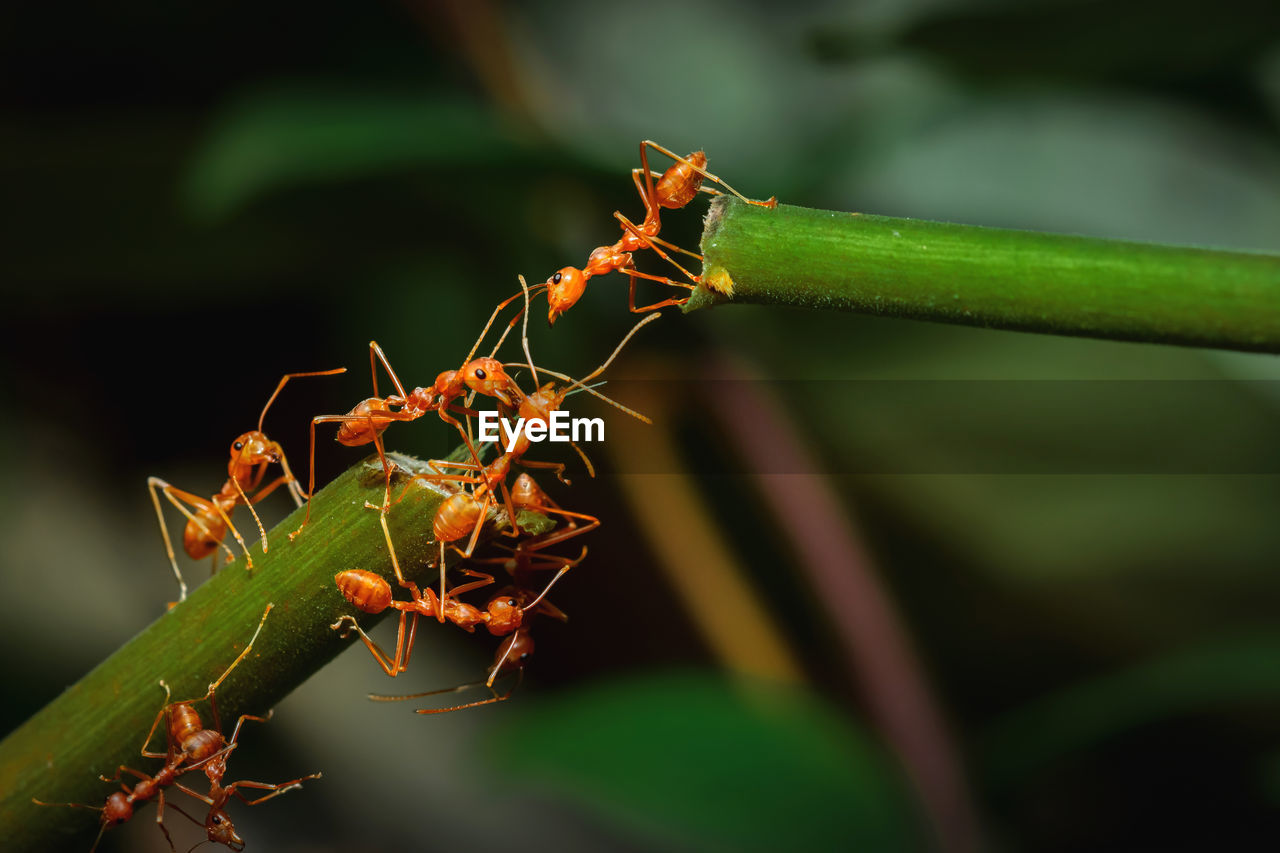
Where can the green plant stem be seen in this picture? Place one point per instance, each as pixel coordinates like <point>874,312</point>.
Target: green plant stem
<point>1003,279</point>
<point>99,723</point>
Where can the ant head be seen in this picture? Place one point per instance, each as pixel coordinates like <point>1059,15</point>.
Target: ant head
<point>117,810</point>
<point>564,289</point>
<point>219,827</point>
<point>504,614</point>
<point>487,376</point>
<point>514,652</point>
<point>252,448</point>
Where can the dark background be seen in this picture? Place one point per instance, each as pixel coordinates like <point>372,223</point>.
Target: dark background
<point>201,198</point>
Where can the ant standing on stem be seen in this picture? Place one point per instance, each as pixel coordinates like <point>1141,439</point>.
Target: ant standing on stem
<point>207,527</point>
<point>676,187</point>
<point>189,746</point>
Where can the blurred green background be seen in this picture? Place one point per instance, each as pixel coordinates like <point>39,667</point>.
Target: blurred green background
<point>1066,594</point>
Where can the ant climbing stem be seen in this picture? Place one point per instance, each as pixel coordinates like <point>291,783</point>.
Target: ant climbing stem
<point>218,825</point>
<point>206,528</point>
<point>465,512</point>
<point>189,746</point>
<point>512,653</point>
<point>675,188</point>
<point>503,614</point>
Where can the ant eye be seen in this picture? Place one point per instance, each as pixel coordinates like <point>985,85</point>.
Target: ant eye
<point>239,445</point>
<point>480,374</point>
<point>511,602</point>
<point>555,279</point>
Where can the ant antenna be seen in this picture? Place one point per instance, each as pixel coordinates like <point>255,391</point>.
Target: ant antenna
<point>494,316</point>
<point>524,332</point>
<point>590,389</point>
<point>584,380</point>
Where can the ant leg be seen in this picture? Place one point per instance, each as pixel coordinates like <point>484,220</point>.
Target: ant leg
<point>591,470</point>
<point>152,483</point>
<point>155,723</point>
<point>771,203</point>
<point>485,580</point>
<point>555,537</point>
<point>377,697</point>
<point>160,819</point>
<point>649,194</point>
<point>196,794</point>
<point>177,497</point>
<point>292,481</point>
<point>235,734</point>
<point>392,666</point>
<point>630,226</point>
<point>513,526</point>
<point>284,380</point>
<point>465,433</point>
<point>213,687</point>
<point>375,349</point>
<point>376,424</point>
<point>557,467</point>
<point>276,790</point>
<point>440,476</point>
<point>116,778</point>
<point>631,292</point>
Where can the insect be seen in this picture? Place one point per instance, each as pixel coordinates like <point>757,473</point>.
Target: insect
<point>189,746</point>
<point>511,656</point>
<point>464,512</point>
<point>370,592</point>
<point>217,823</point>
<point>251,453</point>
<point>366,422</point>
<point>675,188</point>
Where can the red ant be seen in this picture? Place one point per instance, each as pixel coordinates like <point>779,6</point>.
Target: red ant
<point>217,823</point>
<point>190,746</point>
<point>675,188</point>
<point>511,656</point>
<point>464,512</point>
<point>207,527</point>
<point>503,615</point>
<point>366,422</point>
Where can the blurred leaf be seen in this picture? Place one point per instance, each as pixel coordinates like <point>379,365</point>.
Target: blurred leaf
<point>1209,677</point>
<point>1132,40</point>
<point>1122,167</point>
<point>295,136</point>
<point>735,767</point>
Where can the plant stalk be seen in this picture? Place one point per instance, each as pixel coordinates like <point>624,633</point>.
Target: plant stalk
<point>997,278</point>
<point>98,724</point>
